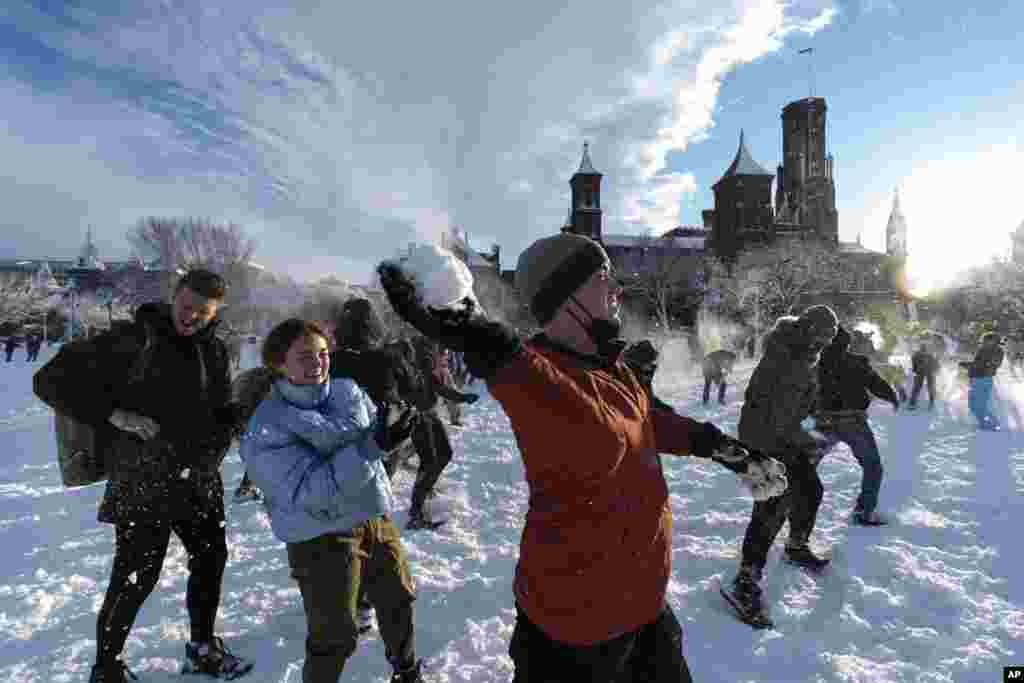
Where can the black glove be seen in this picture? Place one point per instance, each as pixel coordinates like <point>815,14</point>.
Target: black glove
<point>486,345</point>
<point>394,425</point>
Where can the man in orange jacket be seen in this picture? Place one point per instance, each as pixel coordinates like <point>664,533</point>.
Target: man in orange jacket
<point>599,512</point>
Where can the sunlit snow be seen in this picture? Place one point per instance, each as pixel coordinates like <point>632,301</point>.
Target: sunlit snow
<point>931,598</point>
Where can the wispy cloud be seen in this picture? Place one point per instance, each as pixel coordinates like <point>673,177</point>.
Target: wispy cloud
<point>337,132</point>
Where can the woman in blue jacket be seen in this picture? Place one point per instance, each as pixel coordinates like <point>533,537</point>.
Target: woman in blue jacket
<point>314,448</point>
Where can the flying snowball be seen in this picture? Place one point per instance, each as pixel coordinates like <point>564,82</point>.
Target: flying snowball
<point>441,278</point>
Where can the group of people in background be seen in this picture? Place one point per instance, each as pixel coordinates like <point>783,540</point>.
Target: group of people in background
<point>33,343</point>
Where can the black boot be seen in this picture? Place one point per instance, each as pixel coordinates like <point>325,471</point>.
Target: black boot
<point>115,672</point>
<point>802,556</point>
<point>745,597</point>
<point>419,519</point>
<point>412,674</point>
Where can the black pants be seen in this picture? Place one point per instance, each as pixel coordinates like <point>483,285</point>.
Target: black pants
<point>430,439</point>
<point>799,504</point>
<point>919,380</point>
<point>721,389</point>
<point>650,654</point>
<point>138,558</point>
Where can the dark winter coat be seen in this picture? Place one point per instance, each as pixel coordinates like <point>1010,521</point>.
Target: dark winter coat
<point>924,363</point>
<point>10,344</point>
<point>782,392</point>
<point>595,553</point>
<point>182,383</point>
<point>431,385</point>
<point>986,361</point>
<point>847,381</point>
<point>718,364</point>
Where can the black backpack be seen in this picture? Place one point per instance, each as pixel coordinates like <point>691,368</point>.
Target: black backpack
<point>82,448</point>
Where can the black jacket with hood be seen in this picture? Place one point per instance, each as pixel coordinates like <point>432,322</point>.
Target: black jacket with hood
<point>782,392</point>
<point>847,381</point>
<point>183,384</point>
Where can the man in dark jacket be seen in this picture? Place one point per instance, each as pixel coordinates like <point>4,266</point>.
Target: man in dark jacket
<point>163,382</point>
<point>32,346</point>
<point>924,365</point>
<point>982,371</point>
<point>595,553</point>
<point>782,393</point>
<point>429,436</point>
<point>716,366</point>
<point>846,384</point>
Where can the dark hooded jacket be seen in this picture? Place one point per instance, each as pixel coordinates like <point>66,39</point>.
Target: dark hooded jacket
<point>846,379</point>
<point>182,383</point>
<point>986,361</point>
<point>718,364</point>
<point>380,370</point>
<point>782,392</point>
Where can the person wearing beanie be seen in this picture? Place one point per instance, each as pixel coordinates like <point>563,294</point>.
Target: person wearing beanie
<point>782,392</point>
<point>599,513</point>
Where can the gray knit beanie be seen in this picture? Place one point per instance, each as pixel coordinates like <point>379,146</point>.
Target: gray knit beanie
<point>551,269</point>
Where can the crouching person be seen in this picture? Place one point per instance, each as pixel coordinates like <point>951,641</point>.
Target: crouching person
<point>314,447</point>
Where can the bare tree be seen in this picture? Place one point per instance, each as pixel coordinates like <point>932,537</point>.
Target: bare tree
<point>763,284</point>
<point>20,301</point>
<point>179,244</point>
<point>662,274</point>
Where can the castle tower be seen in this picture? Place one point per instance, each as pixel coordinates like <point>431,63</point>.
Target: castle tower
<point>805,192</point>
<point>743,203</point>
<point>896,230</point>
<point>585,208</point>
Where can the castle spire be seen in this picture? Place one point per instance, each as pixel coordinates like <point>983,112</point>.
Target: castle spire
<point>586,167</point>
<point>743,163</point>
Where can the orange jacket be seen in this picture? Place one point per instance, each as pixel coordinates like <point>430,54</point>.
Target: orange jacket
<point>594,558</point>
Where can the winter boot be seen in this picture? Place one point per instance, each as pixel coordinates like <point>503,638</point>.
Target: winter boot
<point>413,674</point>
<point>745,598</point>
<point>115,672</point>
<point>801,555</point>
<point>862,518</point>
<point>420,519</point>
<point>213,659</point>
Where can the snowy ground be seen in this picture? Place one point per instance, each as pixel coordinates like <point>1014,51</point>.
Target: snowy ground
<point>929,598</point>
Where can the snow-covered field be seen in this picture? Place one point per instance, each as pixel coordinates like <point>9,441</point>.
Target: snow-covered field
<point>932,597</point>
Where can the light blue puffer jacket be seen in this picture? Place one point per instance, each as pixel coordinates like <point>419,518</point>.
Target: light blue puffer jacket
<point>310,449</point>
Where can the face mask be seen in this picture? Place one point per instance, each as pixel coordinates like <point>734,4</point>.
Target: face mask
<point>601,331</point>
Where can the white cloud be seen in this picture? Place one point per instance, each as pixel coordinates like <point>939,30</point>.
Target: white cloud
<point>334,130</point>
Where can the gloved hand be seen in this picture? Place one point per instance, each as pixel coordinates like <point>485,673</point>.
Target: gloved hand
<point>764,476</point>
<point>394,425</point>
<point>141,426</point>
<point>486,344</point>
<point>470,399</point>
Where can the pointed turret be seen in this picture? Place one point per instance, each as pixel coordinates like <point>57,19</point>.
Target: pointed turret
<point>585,210</point>
<point>586,167</point>
<point>743,164</point>
<point>896,229</point>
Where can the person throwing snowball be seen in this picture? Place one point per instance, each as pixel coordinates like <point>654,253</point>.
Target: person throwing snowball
<point>595,555</point>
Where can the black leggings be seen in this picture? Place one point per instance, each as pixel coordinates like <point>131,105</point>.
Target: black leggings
<point>139,554</point>
<point>430,439</point>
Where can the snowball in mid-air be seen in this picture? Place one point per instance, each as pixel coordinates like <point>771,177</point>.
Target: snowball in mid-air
<point>441,278</point>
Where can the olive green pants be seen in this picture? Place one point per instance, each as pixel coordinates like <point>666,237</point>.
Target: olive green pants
<point>331,570</point>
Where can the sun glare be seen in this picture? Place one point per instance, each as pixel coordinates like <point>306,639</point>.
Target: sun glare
<point>959,213</point>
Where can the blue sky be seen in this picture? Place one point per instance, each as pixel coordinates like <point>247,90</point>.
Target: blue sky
<point>335,133</point>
